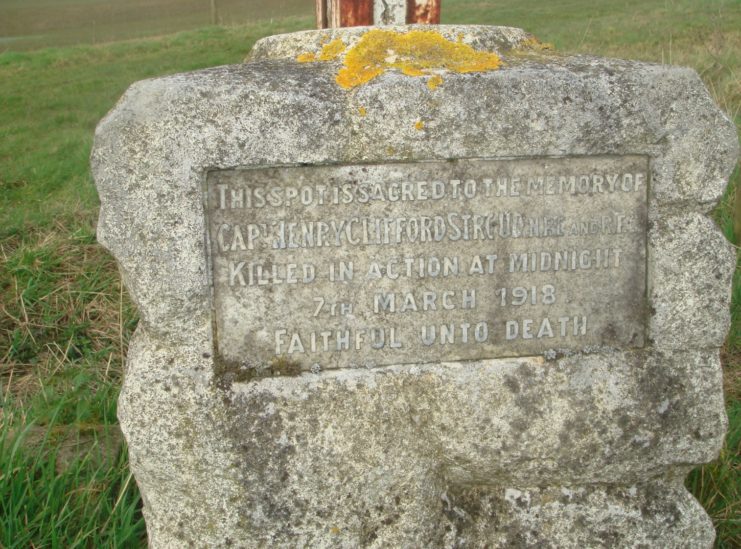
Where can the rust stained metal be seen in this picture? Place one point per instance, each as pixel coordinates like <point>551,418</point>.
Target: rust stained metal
<point>423,12</point>
<point>353,13</point>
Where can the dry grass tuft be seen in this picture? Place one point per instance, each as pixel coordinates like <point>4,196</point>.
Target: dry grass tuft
<point>61,304</point>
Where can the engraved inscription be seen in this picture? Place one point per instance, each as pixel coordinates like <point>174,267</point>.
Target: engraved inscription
<point>363,265</point>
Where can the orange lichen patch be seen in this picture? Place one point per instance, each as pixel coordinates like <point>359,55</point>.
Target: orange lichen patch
<point>412,71</point>
<point>415,53</point>
<point>419,125</point>
<point>435,81</point>
<point>362,111</point>
<point>307,57</point>
<point>332,50</point>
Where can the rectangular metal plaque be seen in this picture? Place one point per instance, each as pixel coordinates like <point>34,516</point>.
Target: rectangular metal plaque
<point>361,265</point>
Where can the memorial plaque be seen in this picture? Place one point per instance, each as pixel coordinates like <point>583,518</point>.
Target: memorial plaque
<point>362,265</point>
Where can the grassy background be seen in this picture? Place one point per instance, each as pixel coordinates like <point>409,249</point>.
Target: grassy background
<point>32,24</point>
<point>64,318</point>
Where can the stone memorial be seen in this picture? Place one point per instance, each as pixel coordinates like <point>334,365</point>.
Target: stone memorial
<point>420,287</point>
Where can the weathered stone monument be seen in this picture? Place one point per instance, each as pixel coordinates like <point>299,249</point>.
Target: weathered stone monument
<point>420,287</point>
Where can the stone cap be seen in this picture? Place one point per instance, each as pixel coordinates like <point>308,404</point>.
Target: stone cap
<point>479,37</point>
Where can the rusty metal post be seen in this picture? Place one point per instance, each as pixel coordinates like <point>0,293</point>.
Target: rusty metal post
<point>353,13</point>
<point>423,12</point>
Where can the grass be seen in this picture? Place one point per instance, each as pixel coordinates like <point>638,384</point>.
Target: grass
<point>52,99</point>
<point>65,320</point>
<point>33,24</point>
<point>74,488</point>
<point>64,479</point>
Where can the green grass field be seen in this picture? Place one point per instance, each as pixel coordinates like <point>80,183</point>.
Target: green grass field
<point>32,24</point>
<point>65,320</point>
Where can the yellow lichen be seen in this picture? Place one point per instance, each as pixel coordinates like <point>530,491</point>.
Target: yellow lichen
<point>362,111</point>
<point>332,50</point>
<point>435,81</point>
<point>307,57</point>
<point>415,53</point>
<point>412,71</point>
<point>419,125</point>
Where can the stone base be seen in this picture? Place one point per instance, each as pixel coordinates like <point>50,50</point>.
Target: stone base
<point>655,514</point>
<point>431,455</point>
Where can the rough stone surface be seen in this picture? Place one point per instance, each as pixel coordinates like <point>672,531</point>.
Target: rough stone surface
<point>582,448</point>
<point>690,306</point>
<point>290,46</point>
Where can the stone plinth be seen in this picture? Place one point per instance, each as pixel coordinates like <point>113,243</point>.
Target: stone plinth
<point>592,181</point>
